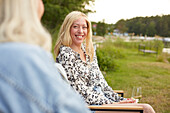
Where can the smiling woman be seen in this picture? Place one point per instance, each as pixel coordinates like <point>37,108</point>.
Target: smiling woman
<point>75,29</point>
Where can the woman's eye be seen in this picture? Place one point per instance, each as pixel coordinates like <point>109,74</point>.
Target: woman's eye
<point>75,26</point>
<point>84,27</point>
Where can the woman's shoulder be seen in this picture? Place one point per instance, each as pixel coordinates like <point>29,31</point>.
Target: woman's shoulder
<point>65,49</point>
<point>66,52</point>
<point>21,50</point>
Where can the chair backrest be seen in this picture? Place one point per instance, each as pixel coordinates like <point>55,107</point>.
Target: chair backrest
<point>61,71</point>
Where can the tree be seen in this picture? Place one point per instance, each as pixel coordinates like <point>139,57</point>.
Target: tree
<point>101,28</point>
<point>151,31</point>
<point>56,10</point>
<point>121,26</point>
<point>151,26</point>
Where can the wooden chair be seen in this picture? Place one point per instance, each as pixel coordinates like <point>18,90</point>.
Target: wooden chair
<point>120,92</point>
<point>116,108</point>
<point>109,108</point>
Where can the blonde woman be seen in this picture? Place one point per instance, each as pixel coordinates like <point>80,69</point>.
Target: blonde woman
<point>65,37</point>
<point>28,82</point>
<point>74,50</point>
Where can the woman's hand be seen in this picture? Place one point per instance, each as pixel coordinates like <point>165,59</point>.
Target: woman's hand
<point>128,100</point>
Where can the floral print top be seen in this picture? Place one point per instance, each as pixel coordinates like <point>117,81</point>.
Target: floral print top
<point>86,77</point>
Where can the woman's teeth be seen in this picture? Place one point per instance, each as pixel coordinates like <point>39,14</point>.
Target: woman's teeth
<point>79,36</point>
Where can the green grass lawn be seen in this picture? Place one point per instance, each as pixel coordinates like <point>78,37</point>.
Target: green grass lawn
<point>143,71</point>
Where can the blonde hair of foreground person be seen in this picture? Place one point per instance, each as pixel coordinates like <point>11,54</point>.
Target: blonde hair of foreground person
<point>64,37</point>
<point>20,22</point>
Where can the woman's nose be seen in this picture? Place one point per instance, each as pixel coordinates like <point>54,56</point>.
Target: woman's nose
<point>80,29</point>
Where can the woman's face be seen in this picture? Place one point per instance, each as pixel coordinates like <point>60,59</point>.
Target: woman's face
<point>40,8</point>
<point>78,31</point>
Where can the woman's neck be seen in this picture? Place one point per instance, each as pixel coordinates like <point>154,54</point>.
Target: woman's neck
<point>76,48</point>
<point>79,50</point>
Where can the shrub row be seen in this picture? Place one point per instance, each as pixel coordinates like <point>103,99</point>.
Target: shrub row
<point>108,51</point>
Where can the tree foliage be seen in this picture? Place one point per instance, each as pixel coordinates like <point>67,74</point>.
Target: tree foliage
<point>56,10</point>
<point>101,28</point>
<point>121,25</point>
<point>150,26</point>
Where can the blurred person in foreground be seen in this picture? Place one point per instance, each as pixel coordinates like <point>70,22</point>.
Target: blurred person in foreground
<point>28,81</point>
<point>80,63</point>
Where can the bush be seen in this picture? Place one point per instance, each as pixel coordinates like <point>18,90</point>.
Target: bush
<point>164,57</point>
<point>106,55</point>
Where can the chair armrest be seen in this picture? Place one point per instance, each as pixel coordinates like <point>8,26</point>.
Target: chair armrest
<point>116,108</point>
<point>120,92</point>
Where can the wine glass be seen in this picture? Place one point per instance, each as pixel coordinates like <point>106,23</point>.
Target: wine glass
<point>137,93</point>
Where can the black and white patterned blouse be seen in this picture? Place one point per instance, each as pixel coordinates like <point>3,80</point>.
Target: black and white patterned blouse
<point>86,77</point>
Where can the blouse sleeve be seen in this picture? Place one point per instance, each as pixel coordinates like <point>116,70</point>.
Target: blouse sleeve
<point>106,89</point>
<point>78,82</point>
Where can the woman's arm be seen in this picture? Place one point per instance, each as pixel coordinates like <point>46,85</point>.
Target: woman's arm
<point>107,90</point>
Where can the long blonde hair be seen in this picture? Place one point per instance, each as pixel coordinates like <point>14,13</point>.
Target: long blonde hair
<point>19,22</point>
<point>64,37</point>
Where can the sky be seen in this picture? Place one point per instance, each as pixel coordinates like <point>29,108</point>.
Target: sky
<point>113,10</point>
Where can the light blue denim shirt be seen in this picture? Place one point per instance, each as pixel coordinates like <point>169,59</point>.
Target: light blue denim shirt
<point>30,83</point>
